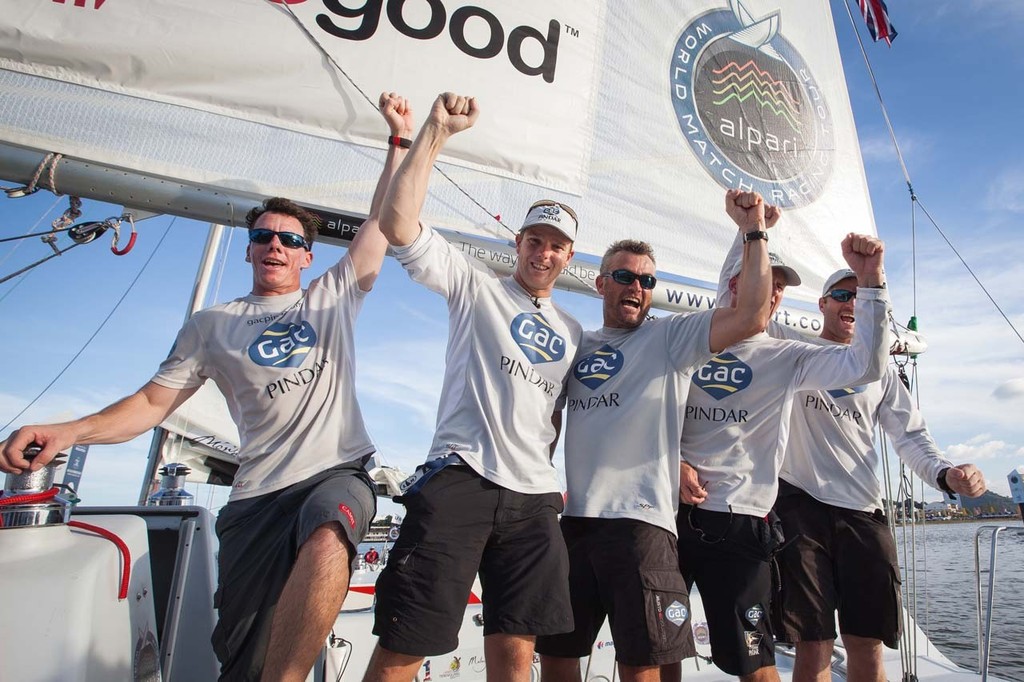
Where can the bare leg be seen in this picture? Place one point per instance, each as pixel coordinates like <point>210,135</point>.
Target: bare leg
<point>390,666</point>
<point>769,673</point>
<point>672,672</point>
<point>813,661</point>
<point>559,669</point>
<point>646,673</point>
<point>864,659</point>
<point>509,657</point>
<point>308,605</point>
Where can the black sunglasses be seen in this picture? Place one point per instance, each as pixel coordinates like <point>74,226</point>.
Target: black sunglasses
<point>289,240</point>
<point>705,537</point>
<point>627,277</point>
<point>842,295</point>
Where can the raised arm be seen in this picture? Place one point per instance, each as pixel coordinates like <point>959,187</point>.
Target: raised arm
<point>122,421</point>
<point>750,314</point>
<point>369,245</point>
<point>400,215</point>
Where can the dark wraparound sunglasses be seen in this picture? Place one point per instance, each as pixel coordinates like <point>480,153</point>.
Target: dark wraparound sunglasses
<point>289,240</point>
<point>705,537</point>
<point>841,295</point>
<point>627,277</point>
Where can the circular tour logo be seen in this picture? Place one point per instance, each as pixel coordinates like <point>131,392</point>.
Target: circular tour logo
<point>750,108</point>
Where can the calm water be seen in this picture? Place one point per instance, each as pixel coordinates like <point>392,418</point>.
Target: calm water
<point>946,592</point>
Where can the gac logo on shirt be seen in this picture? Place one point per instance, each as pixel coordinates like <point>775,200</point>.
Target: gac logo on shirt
<point>843,392</point>
<point>283,345</point>
<point>538,341</point>
<point>724,375</point>
<point>599,366</point>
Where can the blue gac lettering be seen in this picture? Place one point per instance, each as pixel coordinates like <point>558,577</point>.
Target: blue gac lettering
<point>283,345</point>
<point>538,341</point>
<point>724,375</point>
<point>598,367</point>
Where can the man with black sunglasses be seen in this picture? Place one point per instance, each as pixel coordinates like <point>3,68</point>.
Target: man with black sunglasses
<point>842,555</point>
<point>487,499</point>
<point>732,447</point>
<point>301,500</point>
<point>626,396</point>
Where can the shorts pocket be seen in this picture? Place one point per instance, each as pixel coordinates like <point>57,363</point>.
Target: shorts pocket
<point>666,609</point>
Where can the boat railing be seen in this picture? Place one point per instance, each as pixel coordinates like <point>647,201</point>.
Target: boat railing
<point>985,631</point>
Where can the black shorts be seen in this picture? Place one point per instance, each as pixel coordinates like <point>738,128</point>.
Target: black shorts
<point>459,524</point>
<point>260,538</point>
<point>729,556</point>
<point>628,571</point>
<point>839,559</point>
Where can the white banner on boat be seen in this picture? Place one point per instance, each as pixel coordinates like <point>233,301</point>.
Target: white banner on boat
<point>662,105</point>
<point>532,61</point>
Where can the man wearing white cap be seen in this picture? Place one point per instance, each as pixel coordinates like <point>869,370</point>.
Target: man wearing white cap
<point>732,447</point>
<point>842,555</point>
<point>488,499</point>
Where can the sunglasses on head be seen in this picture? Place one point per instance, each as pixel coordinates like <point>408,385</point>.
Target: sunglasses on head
<point>289,240</point>
<point>627,277</point>
<point>841,295</point>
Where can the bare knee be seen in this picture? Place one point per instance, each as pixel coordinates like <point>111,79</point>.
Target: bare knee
<point>769,673</point>
<point>391,666</point>
<point>509,657</point>
<point>559,669</point>
<point>328,542</point>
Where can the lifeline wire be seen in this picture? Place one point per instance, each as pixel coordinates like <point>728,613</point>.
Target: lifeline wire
<point>98,329</point>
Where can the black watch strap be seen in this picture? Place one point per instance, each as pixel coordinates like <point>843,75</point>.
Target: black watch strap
<point>941,480</point>
<point>754,236</point>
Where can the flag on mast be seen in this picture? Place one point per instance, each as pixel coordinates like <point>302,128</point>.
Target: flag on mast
<point>876,14</point>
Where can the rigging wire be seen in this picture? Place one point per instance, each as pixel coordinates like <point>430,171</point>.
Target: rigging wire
<point>915,200</point>
<point>98,329</point>
<point>10,253</point>
<point>496,217</point>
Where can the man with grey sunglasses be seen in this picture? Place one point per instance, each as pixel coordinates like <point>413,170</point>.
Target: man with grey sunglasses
<point>626,394</point>
<point>301,500</point>
<point>842,555</point>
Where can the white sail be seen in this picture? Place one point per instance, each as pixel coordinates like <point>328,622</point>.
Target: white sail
<point>652,109</point>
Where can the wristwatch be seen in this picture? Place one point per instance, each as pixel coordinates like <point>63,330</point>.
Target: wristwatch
<point>754,236</point>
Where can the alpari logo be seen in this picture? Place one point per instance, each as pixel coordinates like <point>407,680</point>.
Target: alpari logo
<point>843,392</point>
<point>599,366</point>
<point>724,375</point>
<point>474,31</point>
<point>538,341</point>
<point>283,345</point>
<point>750,108</point>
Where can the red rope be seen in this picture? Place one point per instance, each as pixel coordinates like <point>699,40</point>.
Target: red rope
<point>126,555</point>
<point>28,498</point>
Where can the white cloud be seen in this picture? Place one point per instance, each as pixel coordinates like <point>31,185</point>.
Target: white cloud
<point>1006,193</point>
<point>1010,390</point>
<point>982,447</point>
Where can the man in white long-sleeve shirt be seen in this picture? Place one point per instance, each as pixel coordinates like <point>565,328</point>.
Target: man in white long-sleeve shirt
<point>734,440</point>
<point>842,554</point>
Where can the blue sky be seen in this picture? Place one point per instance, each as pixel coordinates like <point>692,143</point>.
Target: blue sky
<point>950,85</point>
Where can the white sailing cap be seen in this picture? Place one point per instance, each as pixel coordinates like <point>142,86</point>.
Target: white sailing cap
<point>553,214</point>
<point>837,277</point>
<point>792,277</point>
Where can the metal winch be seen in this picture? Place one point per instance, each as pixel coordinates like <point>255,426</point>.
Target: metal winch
<point>30,499</point>
<point>172,487</point>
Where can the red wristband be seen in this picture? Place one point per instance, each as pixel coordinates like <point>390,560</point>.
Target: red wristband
<point>396,141</point>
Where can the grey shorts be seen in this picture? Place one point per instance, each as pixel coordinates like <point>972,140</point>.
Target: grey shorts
<point>839,559</point>
<point>627,571</point>
<point>460,523</point>
<point>260,538</point>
